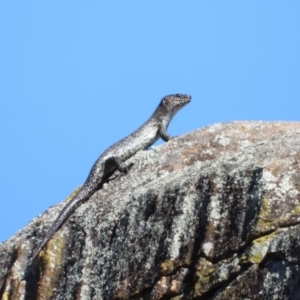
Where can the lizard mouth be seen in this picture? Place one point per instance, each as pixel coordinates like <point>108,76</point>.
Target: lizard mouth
<point>184,99</point>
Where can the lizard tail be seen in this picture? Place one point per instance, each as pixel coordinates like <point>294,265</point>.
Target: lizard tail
<point>83,194</point>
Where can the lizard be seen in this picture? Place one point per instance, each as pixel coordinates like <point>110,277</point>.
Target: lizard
<point>113,158</point>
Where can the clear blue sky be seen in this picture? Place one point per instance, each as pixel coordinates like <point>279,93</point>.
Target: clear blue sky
<point>76,76</point>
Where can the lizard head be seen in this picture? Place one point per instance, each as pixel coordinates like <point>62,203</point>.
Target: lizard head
<point>175,102</point>
<point>171,104</point>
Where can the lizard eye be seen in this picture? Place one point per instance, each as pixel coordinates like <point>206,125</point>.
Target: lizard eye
<point>166,102</point>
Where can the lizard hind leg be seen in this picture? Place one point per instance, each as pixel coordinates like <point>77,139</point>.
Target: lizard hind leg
<point>116,161</point>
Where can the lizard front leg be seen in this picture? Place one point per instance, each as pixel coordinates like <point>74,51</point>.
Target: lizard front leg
<point>163,133</point>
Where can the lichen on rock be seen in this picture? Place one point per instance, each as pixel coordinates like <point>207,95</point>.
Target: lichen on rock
<point>212,214</point>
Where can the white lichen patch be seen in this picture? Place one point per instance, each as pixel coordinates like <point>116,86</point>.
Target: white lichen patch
<point>214,127</point>
<point>225,270</point>
<point>181,231</point>
<point>215,210</point>
<point>208,152</point>
<point>85,291</point>
<point>245,143</point>
<point>286,187</point>
<point>269,180</point>
<point>222,139</point>
<point>207,247</point>
<point>272,285</point>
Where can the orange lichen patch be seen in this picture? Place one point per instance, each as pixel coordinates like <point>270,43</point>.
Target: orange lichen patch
<point>123,291</point>
<point>161,288</point>
<point>51,260</point>
<point>13,287</point>
<point>167,267</point>
<point>205,270</point>
<point>175,286</point>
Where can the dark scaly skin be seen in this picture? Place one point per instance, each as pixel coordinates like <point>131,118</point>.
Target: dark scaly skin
<point>115,155</point>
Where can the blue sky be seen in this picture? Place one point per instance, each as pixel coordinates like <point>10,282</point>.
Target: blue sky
<point>77,76</point>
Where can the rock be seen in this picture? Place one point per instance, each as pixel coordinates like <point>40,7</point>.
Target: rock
<point>212,214</point>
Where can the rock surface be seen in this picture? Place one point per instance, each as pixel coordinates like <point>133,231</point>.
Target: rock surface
<point>212,214</point>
